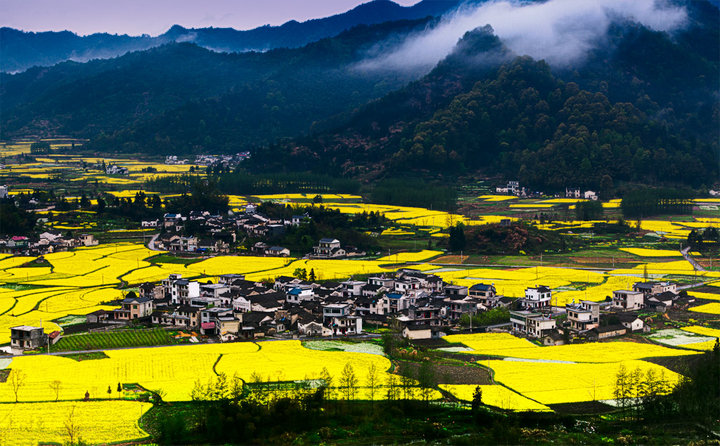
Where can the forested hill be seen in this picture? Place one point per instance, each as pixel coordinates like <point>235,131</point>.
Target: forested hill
<point>642,109</point>
<point>22,50</point>
<point>198,100</point>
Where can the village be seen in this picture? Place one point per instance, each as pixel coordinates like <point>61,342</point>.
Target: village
<point>417,305</point>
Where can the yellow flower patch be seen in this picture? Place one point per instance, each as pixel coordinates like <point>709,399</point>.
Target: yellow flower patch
<point>495,395</point>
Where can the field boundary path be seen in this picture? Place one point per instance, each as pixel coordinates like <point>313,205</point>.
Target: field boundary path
<point>254,341</point>
<point>151,243</point>
<point>686,255</point>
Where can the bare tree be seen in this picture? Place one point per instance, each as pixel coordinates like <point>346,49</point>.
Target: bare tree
<point>55,386</point>
<point>372,380</point>
<point>72,428</point>
<point>17,381</point>
<point>349,382</point>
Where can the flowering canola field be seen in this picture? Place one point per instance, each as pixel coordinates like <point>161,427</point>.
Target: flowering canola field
<point>83,280</point>
<point>566,373</point>
<point>495,395</point>
<point>507,345</point>
<point>97,422</point>
<point>176,369</point>
<point>554,383</point>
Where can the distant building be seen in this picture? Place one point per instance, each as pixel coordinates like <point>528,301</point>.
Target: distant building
<point>328,248</point>
<point>628,300</point>
<point>537,297</point>
<point>651,288</point>
<point>531,324</point>
<point>88,240</point>
<point>583,316</point>
<point>135,308</point>
<point>25,337</point>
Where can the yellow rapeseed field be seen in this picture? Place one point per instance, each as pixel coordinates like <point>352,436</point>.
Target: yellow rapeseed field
<point>645,252</point>
<point>701,295</point>
<point>495,395</point>
<point>504,344</point>
<point>492,198</point>
<point>96,421</point>
<point>705,331</point>
<point>176,369</point>
<point>410,256</point>
<point>711,308</point>
<point>554,383</point>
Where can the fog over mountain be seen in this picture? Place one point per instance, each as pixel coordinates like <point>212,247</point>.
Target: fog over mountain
<point>558,31</point>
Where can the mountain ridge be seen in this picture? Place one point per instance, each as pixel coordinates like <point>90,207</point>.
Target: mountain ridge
<point>22,50</point>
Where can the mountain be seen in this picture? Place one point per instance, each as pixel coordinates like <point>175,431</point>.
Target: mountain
<point>166,92</point>
<point>643,108</point>
<point>640,108</point>
<point>22,50</point>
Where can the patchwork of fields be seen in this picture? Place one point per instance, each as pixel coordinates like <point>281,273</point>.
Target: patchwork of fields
<point>87,279</point>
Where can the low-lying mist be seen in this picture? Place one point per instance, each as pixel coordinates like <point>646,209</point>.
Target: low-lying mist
<point>558,31</point>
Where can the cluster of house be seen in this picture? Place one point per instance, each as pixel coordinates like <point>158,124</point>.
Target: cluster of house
<point>422,304</point>
<point>574,192</point>
<point>113,169</point>
<point>536,318</point>
<point>514,188</point>
<point>226,161</point>
<point>45,243</point>
<point>221,231</point>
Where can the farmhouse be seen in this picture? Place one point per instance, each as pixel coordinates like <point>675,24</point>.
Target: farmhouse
<point>628,300</point>
<point>25,337</point>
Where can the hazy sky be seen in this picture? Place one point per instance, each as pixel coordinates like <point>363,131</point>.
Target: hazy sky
<point>154,17</point>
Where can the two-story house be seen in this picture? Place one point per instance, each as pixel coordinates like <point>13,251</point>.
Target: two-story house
<point>628,300</point>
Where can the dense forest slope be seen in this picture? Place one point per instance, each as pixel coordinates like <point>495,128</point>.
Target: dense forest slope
<point>640,107</point>
<point>644,108</point>
<point>184,94</point>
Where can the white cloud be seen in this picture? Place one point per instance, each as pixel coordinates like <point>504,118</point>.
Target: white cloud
<point>559,31</point>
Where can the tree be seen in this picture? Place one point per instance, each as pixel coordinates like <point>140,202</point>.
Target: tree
<point>101,205</point>
<point>318,198</point>
<point>588,210</point>
<point>311,276</point>
<point>456,241</point>
<point>300,273</point>
<point>17,381</point>
<point>84,202</point>
<point>406,381</point>
<point>72,428</point>
<point>621,392</point>
<point>372,381</point>
<point>348,382</point>
<point>55,386</point>
<point>426,380</point>
<point>327,380</point>
<point>477,399</point>
<point>392,387</point>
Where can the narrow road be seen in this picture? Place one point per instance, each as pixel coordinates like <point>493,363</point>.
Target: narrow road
<point>686,255</point>
<point>151,243</point>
